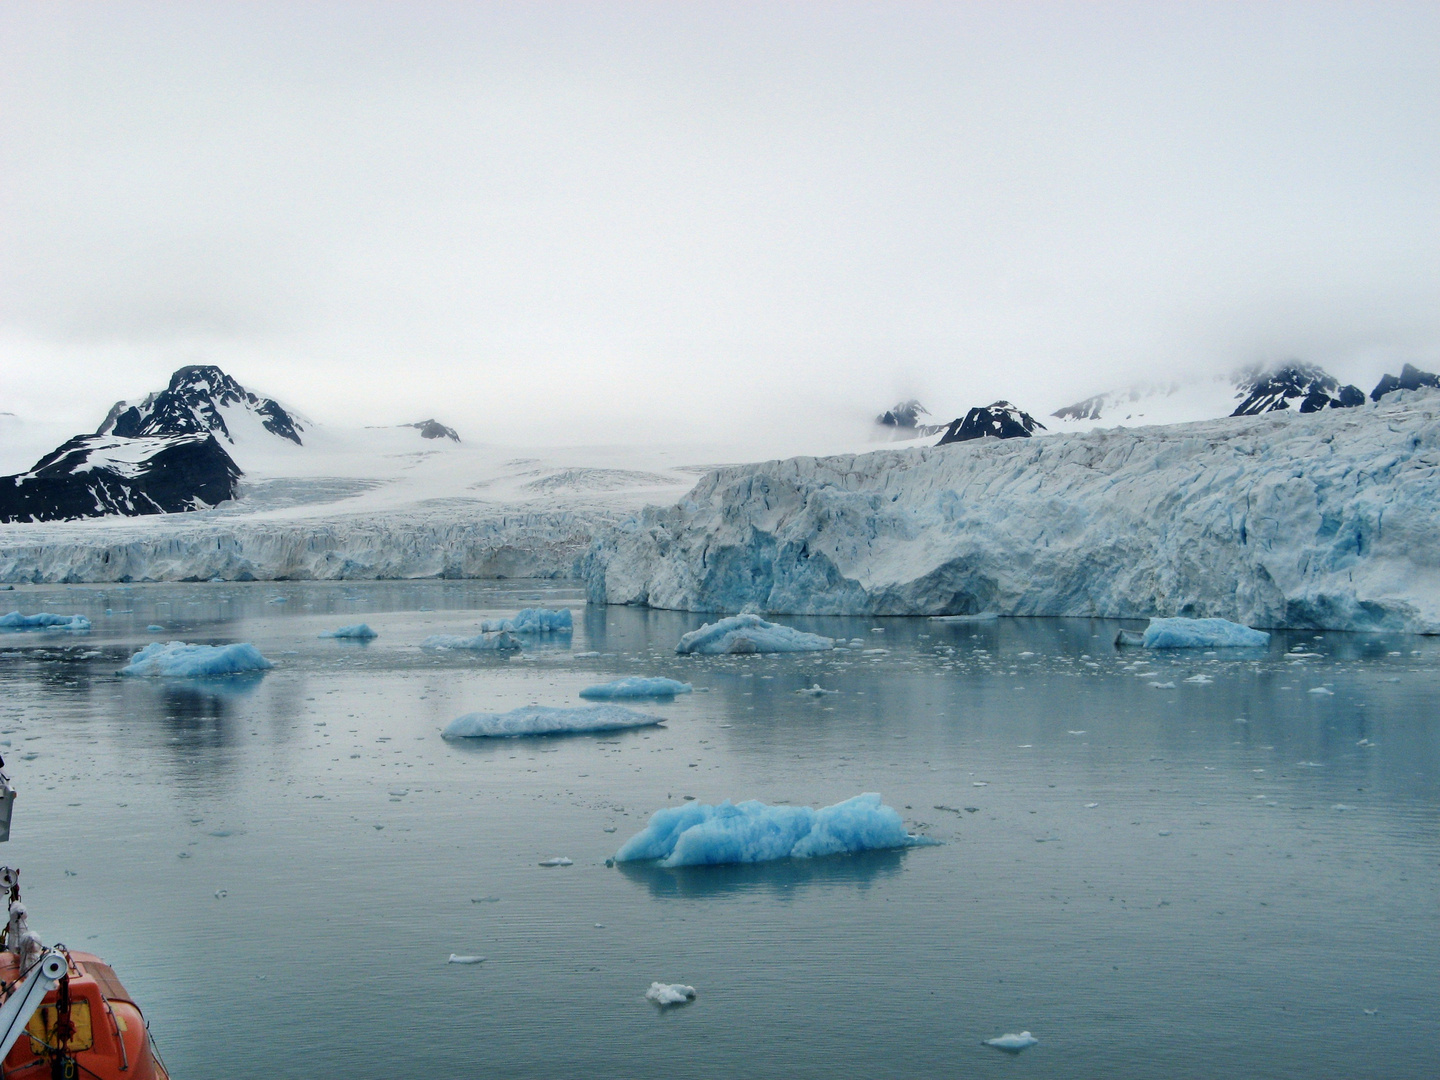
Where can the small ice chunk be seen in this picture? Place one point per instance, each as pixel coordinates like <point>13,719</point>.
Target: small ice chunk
<point>1200,678</point>
<point>1162,685</point>
<point>1325,690</point>
<point>484,642</point>
<point>358,632</point>
<point>636,687</point>
<point>1013,1044</point>
<point>816,691</point>
<point>545,720</point>
<point>1130,637</point>
<point>456,958</point>
<point>1201,634</point>
<point>43,620</point>
<point>532,621</point>
<point>987,616</point>
<point>154,628</point>
<point>742,634</point>
<point>179,660</point>
<point>558,860</point>
<point>665,994</point>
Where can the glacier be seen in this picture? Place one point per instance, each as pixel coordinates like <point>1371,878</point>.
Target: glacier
<point>1326,520</point>
<point>1201,634</point>
<point>482,642</point>
<point>636,686</point>
<point>749,634</point>
<point>44,621</point>
<point>357,632</point>
<point>698,834</point>
<point>179,660</point>
<point>545,720</point>
<point>532,621</point>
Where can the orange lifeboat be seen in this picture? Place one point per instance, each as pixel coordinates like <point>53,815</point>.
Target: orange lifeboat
<point>86,1027</point>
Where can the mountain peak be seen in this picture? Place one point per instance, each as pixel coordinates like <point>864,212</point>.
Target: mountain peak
<point>1274,390</point>
<point>1000,420</point>
<point>196,401</point>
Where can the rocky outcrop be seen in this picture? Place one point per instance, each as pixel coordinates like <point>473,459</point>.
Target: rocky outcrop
<point>1410,378</point>
<point>998,421</point>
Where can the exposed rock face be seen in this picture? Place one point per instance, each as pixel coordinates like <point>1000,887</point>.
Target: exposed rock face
<point>906,414</point>
<point>998,421</point>
<point>195,402</point>
<point>1411,378</point>
<point>96,475</point>
<point>1092,408</point>
<point>1306,383</point>
<point>433,429</point>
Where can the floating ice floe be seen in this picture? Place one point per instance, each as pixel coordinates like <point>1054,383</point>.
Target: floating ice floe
<point>1162,685</point>
<point>358,632</point>
<point>546,720</point>
<point>558,860</point>
<point>750,832</point>
<point>44,621</point>
<point>154,628</point>
<point>750,634</point>
<point>816,691</point>
<point>670,993</point>
<point>1013,1044</point>
<point>455,958</point>
<point>988,616</point>
<point>532,621</point>
<point>1130,637</point>
<point>179,660</point>
<point>502,641</point>
<point>636,686</point>
<point>1200,678</point>
<point>1201,634</point>
<point>1322,690</point>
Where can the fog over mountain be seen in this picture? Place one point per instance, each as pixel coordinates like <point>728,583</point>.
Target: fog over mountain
<point>576,222</point>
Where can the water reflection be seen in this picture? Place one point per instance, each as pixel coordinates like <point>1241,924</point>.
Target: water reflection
<point>784,878</point>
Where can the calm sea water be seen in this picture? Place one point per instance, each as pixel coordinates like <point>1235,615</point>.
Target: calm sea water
<point>1225,874</point>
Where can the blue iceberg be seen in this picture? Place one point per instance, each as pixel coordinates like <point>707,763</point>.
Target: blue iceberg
<point>358,632</point>
<point>44,621</point>
<point>1201,634</point>
<point>179,660</point>
<point>532,621</point>
<point>750,832</point>
<point>543,720</point>
<point>636,686</point>
<point>500,642</point>
<point>741,634</point>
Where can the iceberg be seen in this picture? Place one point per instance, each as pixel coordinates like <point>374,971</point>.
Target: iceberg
<point>179,660</point>
<point>698,834</point>
<point>456,958</point>
<point>532,621</point>
<point>1012,1043</point>
<point>44,621</point>
<point>1201,634</point>
<point>485,642</point>
<point>749,634</point>
<point>358,632</point>
<point>544,720</point>
<point>670,993</point>
<point>636,687</point>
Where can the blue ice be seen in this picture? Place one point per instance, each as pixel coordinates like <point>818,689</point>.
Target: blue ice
<point>499,642</point>
<point>750,634</point>
<point>44,621</point>
<point>358,632</point>
<point>636,686</point>
<point>178,659</point>
<point>698,834</point>
<point>544,720</point>
<point>533,621</point>
<point>1201,634</point>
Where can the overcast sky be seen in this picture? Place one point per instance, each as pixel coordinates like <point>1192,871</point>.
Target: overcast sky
<point>622,220</point>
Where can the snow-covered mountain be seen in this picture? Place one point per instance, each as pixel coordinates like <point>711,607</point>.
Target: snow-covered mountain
<point>95,475</point>
<point>1000,420</point>
<point>1310,386</point>
<point>202,398</point>
<point>1410,378</point>
<point>433,429</point>
<point>1272,520</point>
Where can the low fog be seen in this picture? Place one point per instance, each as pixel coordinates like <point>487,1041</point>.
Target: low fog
<point>556,223</point>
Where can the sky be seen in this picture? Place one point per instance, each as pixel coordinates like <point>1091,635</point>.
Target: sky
<point>570,222</point>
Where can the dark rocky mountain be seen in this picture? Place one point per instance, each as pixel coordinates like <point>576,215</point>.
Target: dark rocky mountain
<point>193,403</point>
<point>1410,378</point>
<point>1092,408</point>
<point>1272,391</point>
<point>433,429</point>
<point>998,421</point>
<point>904,415</point>
<point>96,475</point>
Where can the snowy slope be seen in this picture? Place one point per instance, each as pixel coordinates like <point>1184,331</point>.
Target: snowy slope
<point>1286,519</point>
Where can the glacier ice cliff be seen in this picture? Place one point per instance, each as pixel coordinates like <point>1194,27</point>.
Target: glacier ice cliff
<point>1327,520</point>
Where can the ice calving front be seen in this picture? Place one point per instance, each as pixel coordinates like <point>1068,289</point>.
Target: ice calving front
<point>532,621</point>
<point>636,686</point>
<point>179,660</point>
<point>544,720</point>
<point>750,634</point>
<point>1201,634</point>
<point>698,834</point>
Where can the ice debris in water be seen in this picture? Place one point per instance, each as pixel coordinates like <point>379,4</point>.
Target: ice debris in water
<point>532,621</point>
<point>1322,690</point>
<point>154,628</point>
<point>749,832</point>
<point>44,621</point>
<point>483,642</point>
<point>1013,1044</point>
<point>1201,634</point>
<point>750,634</point>
<point>636,686</point>
<point>358,632</point>
<point>816,691</point>
<point>558,860</point>
<point>670,993</point>
<point>455,958</point>
<point>545,720</point>
<point>987,616</point>
<point>177,659</point>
